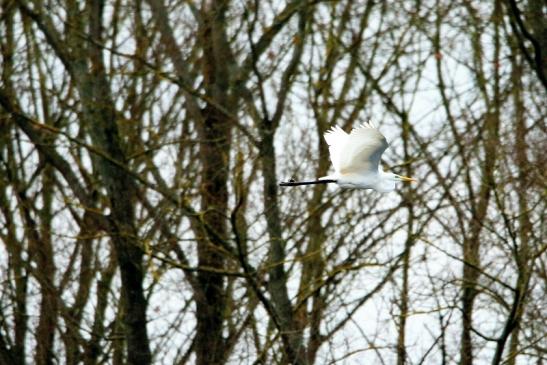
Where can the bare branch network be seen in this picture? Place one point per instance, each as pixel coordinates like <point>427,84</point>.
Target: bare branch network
<point>142,144</point>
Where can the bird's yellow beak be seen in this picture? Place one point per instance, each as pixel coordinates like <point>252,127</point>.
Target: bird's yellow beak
<point>408,179</point>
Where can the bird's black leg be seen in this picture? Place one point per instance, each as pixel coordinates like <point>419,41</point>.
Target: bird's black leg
<point>291,182</point>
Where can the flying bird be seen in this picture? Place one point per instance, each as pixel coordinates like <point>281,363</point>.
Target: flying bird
<point>356,160</point>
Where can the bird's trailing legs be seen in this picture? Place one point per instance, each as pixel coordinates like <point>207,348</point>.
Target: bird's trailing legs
<point>291,182</point>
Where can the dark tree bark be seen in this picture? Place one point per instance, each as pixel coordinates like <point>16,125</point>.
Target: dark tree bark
<point>215,130</point>
<point>101,122</point>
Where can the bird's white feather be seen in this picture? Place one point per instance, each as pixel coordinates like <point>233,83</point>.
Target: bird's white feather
<point>336,139</point>
<point>358,152</point>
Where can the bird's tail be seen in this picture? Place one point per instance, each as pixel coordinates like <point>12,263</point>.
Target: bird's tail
<point>330,177</point>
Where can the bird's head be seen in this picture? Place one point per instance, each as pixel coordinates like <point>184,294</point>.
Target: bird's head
<point>388,181</point>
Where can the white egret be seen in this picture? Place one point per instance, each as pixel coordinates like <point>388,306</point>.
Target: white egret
<point>356,160</point>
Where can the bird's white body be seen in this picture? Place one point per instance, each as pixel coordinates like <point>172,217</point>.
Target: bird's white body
<point>381,181</point>
<point>356,159</point>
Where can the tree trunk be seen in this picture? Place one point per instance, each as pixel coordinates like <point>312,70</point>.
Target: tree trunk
<point>121,190</point>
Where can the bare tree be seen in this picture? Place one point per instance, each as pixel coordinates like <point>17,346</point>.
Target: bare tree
<point>141,147</point>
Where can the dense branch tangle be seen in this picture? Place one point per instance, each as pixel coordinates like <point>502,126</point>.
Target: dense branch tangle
<point>142,143</point>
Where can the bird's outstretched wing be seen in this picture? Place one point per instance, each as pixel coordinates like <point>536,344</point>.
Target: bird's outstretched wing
<point>337,140</point>
<point>357,152</point>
